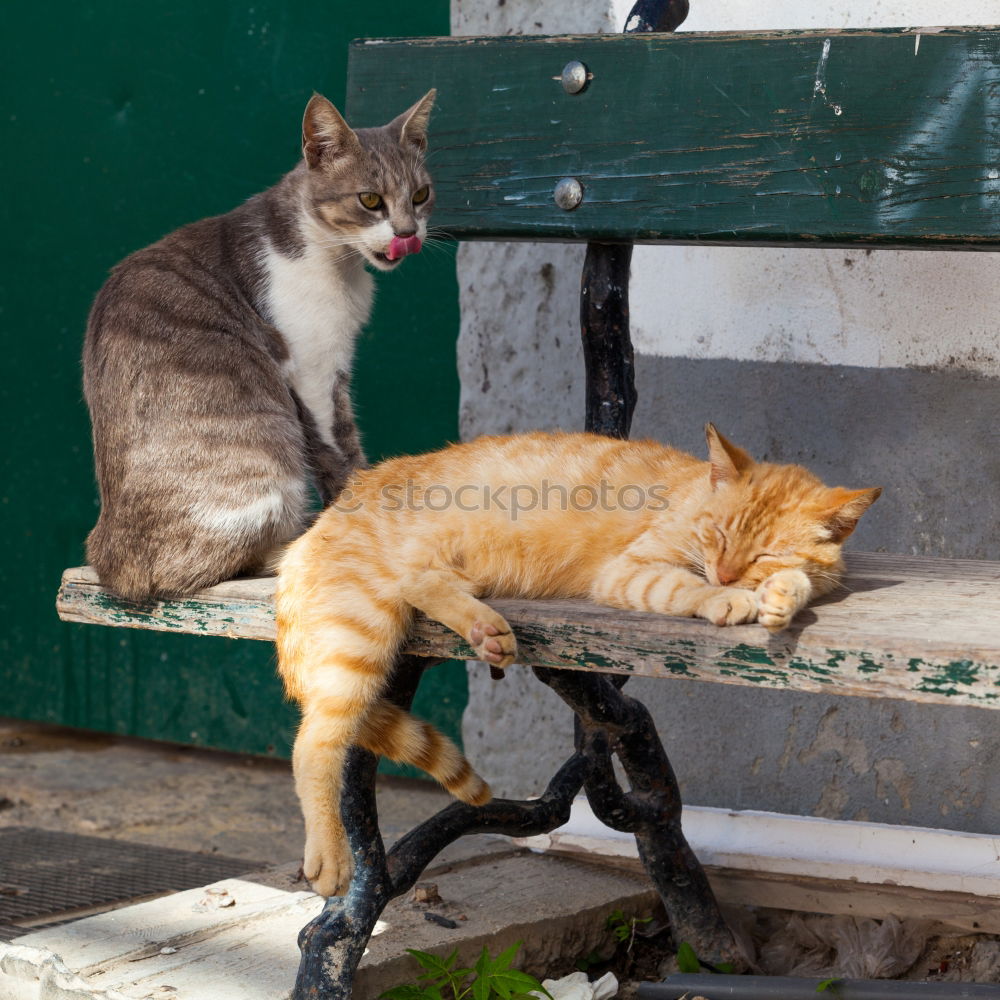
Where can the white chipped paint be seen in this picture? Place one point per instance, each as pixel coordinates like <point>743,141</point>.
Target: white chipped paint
<point>819,84</point>
<point>319,302</point>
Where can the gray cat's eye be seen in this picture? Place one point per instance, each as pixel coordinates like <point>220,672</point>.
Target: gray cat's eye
<point>370,200</point>
<point>421,195</point>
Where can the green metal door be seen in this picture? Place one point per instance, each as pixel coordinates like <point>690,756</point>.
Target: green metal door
<point>119,123</point>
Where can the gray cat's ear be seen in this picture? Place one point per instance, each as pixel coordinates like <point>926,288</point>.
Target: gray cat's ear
<point>325,134</point>
<point>846,508</point>
<point>728,461</point>
<point>411,126</point>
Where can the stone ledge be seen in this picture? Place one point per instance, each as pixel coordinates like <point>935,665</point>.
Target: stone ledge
<point>237,939</point>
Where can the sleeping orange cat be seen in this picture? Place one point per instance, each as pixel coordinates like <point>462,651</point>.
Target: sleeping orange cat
<point>633,524</point>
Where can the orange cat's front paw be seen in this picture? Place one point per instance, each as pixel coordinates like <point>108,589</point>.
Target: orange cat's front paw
<point>327,865</point>
<point>493,642</point>
<point>729,606</point>
<point>780,597</point>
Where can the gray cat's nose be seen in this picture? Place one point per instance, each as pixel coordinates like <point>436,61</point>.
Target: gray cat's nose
<point>406,233</point>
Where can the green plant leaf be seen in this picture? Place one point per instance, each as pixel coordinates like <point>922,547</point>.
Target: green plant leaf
<point>492,978</point>
<point>828,984</point>
<point>514,981</point>
<point>481,988</point>
<point>408,992</point>
<point>503,960</point>
<point>687,960</point>
<point>482,966</point>
<point>433,964</point>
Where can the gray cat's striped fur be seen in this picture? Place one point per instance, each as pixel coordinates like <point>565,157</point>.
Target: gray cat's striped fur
<point>217,360</point>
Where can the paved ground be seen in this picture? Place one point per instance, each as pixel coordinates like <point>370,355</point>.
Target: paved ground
<point>70,780</point>
<point>492,893</point>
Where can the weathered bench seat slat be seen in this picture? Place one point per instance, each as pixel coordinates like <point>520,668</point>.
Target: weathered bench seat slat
<point>878,138</point>
<point>913,628</point>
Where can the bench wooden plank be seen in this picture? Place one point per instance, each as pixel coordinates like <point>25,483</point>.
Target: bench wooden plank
<point>872,137</point>
<point>919,629</point>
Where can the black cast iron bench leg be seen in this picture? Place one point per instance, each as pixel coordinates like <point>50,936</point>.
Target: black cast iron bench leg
<point>607,722</point>
<point>332,944</point>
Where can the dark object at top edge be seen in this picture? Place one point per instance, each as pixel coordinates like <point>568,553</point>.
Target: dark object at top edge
<point>656,15</point>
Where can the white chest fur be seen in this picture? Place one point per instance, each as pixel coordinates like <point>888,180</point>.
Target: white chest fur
<point>319,304</point>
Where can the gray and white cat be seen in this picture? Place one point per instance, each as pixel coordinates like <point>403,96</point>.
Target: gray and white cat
<point>217,361</point>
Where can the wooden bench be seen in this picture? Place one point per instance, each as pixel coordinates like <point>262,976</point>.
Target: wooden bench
<point>728,139</point>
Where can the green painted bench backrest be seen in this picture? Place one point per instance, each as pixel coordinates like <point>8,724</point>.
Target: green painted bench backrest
<point>884,138</point>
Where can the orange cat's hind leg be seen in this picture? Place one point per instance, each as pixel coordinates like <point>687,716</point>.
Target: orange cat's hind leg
<point>335,652</point>
<point>318,763</point>
<point>396,734</point>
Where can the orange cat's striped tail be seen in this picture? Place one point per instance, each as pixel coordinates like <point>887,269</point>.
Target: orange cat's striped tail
<point>394,733</point>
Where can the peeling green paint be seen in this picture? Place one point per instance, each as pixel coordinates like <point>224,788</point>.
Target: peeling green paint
<point>955,673</point>
<point>866,665</point>
<point>836,660</point>
<point>799,665</point>
<point>599,662</point>
<point>749,654</point>
<point>679,667</point>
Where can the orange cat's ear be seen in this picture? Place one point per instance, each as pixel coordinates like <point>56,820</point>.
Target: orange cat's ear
<point>325,133</point>
<point>728,461</point>
<point>846,508</point>
<point>411,125</point>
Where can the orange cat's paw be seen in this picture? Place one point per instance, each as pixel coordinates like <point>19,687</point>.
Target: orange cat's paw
<point>729,606</point>
<point>327,865</point>
<point>780,597</point>
<point>493,642</point>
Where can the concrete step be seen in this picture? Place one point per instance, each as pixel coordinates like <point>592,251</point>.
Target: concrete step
<point>236,939</point>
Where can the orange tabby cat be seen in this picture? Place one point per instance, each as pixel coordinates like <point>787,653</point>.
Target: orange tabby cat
<point>633,524</point>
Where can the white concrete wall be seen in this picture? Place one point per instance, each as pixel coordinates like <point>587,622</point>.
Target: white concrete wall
<point>870,367</point>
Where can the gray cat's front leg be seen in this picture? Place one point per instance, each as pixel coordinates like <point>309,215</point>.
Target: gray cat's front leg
<point>345,430</point>
<point>335,454</point>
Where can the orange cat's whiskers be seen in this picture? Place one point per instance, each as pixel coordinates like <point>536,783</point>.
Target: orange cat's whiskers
<point>694,556</point>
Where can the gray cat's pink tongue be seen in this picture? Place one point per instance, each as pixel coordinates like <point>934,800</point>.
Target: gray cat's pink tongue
<point>403,245</point>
